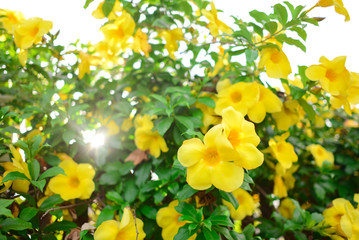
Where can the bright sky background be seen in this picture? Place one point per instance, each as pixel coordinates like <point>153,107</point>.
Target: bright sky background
<point>333,38</point>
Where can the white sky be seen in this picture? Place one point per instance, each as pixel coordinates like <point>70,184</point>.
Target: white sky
<point>333,38</point>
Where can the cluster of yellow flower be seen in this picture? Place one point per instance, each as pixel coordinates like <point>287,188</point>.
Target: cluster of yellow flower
<point>27,32</point>
<point>226,149</point>
<point>343,219</point>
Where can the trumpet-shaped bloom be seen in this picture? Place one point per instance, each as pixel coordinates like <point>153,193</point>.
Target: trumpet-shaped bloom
<point>350,223</point>
<point>126,229</point>
<point>332,75</point>
<point>320,154</point>
<point>267,102</point>
<point>77,183</point>
<point>86,61</point>
<point>140,43</point>
<point>275,62</point>
<point>18,165</point>
<point>211,163</point>
<point>172,37</point>
<point>241,96</point>
<point>246,205</point>
<point>243,138</point>
<point>338,5</point>
<point>30,32</point>
<point>98,13</point>
<point>286,208</point>
<point>283,180</point>
<point>282,150</point>
<point>288,116</point>
<point>11,19</point>
<point>215,25</point>
<point>167,219</point>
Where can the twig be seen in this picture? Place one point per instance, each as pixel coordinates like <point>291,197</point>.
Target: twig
<point>134,217</point>
<point>61,207</point>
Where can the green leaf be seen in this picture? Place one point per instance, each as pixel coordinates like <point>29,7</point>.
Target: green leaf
<point>149,212</point>
<point>229,198</point>
<point>10,129</point>
<point>186,192</point>
<point>282,14</point>
<point>39,184</point>
<point>4,203</point>
<point>183,233</point>
<point>319,191</point>
<point>16,224</point>
<point>187,210</point>
<point>14,176</point>
<point>28,213</point>
<point>271,27</point>
<point>51,172</point>
<point>248,231</point>
<point>260,17</point>
<point>36,144</point>
<point>308,109</point>
<point>221,220</point>
<point>164,125</point>
<point>296,92</point>
<point>207,101</point>
<point>210,235</point>
<point>34,169</point>
<point>185,121</point>
<point>291,41</point>
<point>68,135</point>
<point>88,3</point>
<point>224,231</point>
<point>300,236</point>
<point>142,173</point>
<point>251,55</point>
<point>53,160</point>
<point>51,202</point>
<point>107,7</point>
<point>159,98</point>
<point>130,190</point>
<point>106,214</point>
<point>300,31</point>
<point>303,77</point>
<point>60,226</point>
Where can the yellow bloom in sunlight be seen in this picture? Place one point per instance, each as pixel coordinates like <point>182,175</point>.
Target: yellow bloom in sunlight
<point>172,37</point>
<point>241,96</point>
<point>288,116</point>
<point>338,6</point>
<point>140,43</point>
<point>283,180</point>
<point>332,75</point>
<point>286,208</point>
<point>107,54</point>
<point>267,102</point>
<point>112,127</point>
<point>296,82</point>
<point>221,62</point>
<point>18,165</point>
<point>275,62</point>
<point>34,133</point>
<point>215,25</point>
<point>350,223</point>
<point>246,205</point>
<point>126,124</point>
<point>11,19</point>
<point>126,229</point>
<point>211,163</point>
<point>209,116</point>
<point>333,215</point>
<point>98,13</point>
<point>282,150</point>
<point>120,31</point>
<point>243,138</point>
<point>30,32</point>
<point>320,154</point>
<point>146,138</point>
<point>77,183</point>
<point>86,60</point>
<point>167,219</point>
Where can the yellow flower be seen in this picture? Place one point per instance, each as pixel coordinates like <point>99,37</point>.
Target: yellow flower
<point>349,223</point>
<point>120,31</point>
<point>288,116</point>
<point>283,180</point>
<point>126,229</point>
<point>140,43</point>
<point>18,165</point>
<point>320,154</point>
<point>282,150</point>
<point>296,82</point>
<point>11,19</point>
<point>215,25</point>
<point>333,215</point>
<point>338,5</point>
<point>98,13</point>
<point>209,116</point>
<point>241,96</point>
<point>146,138</point>
<point>108,54</point>
<point>275,62</point>
<point>332,75</point>
<point>286,208</point>
<point>243,138</point>
<point>86,60</point>
<point>211,163</point>
<point>112,127</point>
<point>77,183</point>
<point>222,61</point>
<point>34,133</point>
<point>126,124</point>
<point>267,102</point>
<point>171,37</point>
<point>167,219</point>
<point>246,205</point>
<point>30,32</point>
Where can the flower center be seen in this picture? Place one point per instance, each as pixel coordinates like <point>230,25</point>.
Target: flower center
<point>74,182</point>
<point>331,75</point>
<point>211,157</point>
<point>275,57</point>
<point>34,31</point>
<point>320,152</point>
<point>234,137</point>
<point>121,235</point>
<point>236,97</point>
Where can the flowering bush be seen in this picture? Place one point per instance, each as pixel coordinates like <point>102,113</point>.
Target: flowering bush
<point>143,138</point>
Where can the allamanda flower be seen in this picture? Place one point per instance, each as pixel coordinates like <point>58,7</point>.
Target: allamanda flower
<point>320,154</point>
<point>167,219</point>
<point>246,205</point>
<point>286,208</point>
<point>11,19</point>
<point>98,13</point>
<point>140,43</point>
<point>172,37</point>
<point>77,183</point>
<point>211,162</point>
<point>282,150</point>
<point>288,116</point>
<point>215,25</point>
<point>338,6</point>
<point>125,229</point>
<point>275,62</point>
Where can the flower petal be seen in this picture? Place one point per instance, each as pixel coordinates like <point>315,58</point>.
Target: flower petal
<point>227,176</point>
<point>190,152</point>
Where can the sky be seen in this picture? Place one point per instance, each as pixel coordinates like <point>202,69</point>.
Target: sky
<point>333,38</point>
